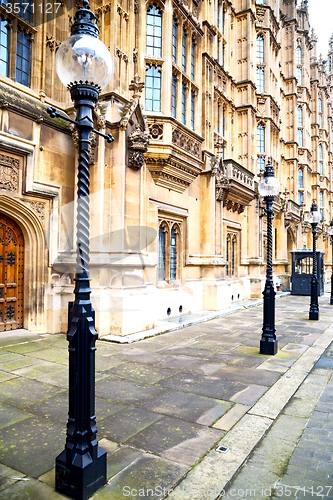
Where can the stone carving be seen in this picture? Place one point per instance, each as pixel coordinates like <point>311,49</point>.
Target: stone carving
<point>156,131</point>
<point>39,208</point>
<point>102,9</point>
<point>52,43</point>
<point>137,142</point>
<point>9,173</point>
<point>121,54</point>
<point>186,142</point>
<point>122,13</point>
<point>136,159</point>
<point>261,14</point>
<point>136,86</point>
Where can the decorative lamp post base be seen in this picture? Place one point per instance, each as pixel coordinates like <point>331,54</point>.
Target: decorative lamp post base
<point>268,342</point>
<point>81,480</point>
<point>268,346</point>
<point>314,306</point>
<point>314,315</point>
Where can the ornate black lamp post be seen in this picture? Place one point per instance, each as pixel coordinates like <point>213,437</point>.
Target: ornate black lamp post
<point>330,232</point>
<point>314,217</point>
<point>269,187</point>
<point>84,66</point>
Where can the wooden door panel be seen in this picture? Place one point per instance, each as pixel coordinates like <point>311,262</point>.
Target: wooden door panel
<point>11,274</point>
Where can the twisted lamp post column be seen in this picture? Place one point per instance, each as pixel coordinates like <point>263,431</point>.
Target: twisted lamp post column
<point>84,66</point>
<point>330,232</point>
<point>269,187</point>
<point>314,218</point>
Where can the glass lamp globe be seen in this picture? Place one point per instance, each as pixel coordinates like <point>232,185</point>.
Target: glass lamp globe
<point>84,59</point>
<point>269,186</point>
<point>314,216</point>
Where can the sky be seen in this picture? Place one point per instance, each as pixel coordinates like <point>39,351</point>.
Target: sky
<point>321,20</point>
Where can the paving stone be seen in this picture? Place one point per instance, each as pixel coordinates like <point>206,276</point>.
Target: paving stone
<point>10,415</point>
<point>123,457</point>
<point>210,386</point>
<point>26,347</point>
<point>237,359</point>
<point>22,392</point>
<point>272,454</point>
<point>299,407</point>
<point>8,476</point>
<point>251,375</point>
<point>190,351</point>
<point>6,376</point>
<point>145,374</point>
<point>31,445</point>
<point>55,354</point>
<point>289,480</point>
<point>293,470</point>
<point>141,356</point>
<point>325,466</point>
<point>147,477</point>
<point>288,427</point>
<point>316,475</point>
<point>125,391</point>
<point>56,408</point>
<point>59,379</point>
<point>187,406</point>
<point>13,365</point>
<point>126,424</point>
<point>180,363</point>
<point>228,420</point>
<point>31,490</point>
<point>277,365</point>
<point>176,440</point>
<point>247,485</point>
<point>108,362</point>
<point>38,370</point>
<point>249,395</point>
<point>6,356</point>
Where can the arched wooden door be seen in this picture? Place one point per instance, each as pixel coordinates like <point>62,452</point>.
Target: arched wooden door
<point>11,274</point>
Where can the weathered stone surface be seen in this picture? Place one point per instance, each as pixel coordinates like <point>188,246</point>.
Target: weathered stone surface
<point>191,407</point>
<point>176,440</point>
<point>36,433</point>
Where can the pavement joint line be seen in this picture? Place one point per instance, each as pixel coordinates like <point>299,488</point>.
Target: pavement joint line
<point>216,470</point>
<point>173,326</point>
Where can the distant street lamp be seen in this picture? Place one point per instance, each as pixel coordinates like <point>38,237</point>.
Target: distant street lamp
<point>330,232</point>
<point>269,187</point>
<point>84,66</point>
<point>314,217</point>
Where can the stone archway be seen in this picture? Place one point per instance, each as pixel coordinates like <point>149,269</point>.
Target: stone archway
<point>35,261</point>
<point>11,274</point>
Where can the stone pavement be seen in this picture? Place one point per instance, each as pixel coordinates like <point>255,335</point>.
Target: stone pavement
<point>295,458</point>
<point>165,404</point>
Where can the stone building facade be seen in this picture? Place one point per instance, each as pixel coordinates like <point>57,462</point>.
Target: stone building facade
<point>203,93</point>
